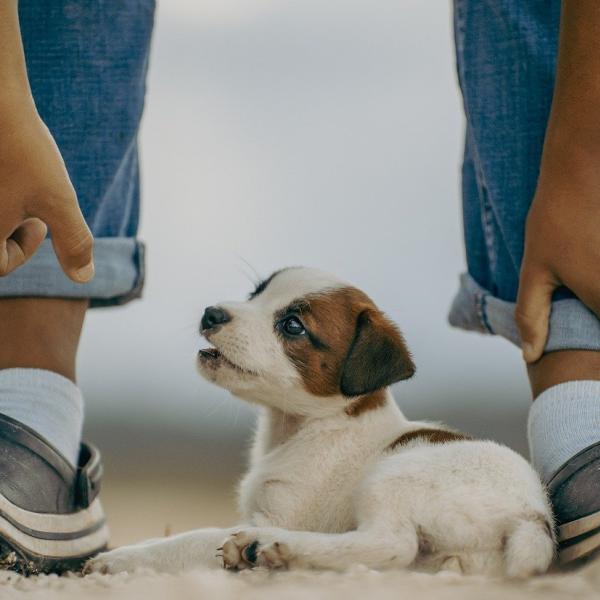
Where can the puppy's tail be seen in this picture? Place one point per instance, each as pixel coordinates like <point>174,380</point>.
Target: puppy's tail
<point>529,547</point>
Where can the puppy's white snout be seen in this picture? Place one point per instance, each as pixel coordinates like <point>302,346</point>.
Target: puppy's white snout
<point>213,317</point>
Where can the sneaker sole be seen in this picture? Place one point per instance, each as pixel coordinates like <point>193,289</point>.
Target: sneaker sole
<point>579,538</point>
<point>36,542</point>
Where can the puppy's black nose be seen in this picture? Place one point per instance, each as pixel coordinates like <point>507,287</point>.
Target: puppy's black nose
<point>214,316</point>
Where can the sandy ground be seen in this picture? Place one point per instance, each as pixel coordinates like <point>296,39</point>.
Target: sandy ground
<point>209,500</point>
<point>358,582</point>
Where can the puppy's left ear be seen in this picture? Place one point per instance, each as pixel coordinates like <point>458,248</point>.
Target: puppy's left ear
<point>378,356</point>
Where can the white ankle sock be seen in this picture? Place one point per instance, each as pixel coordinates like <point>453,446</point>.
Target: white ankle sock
<point>48,403</point>
<point>563,420</point>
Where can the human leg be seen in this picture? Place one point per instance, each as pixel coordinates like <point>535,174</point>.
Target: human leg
<point>86,64</point>
<point>506,57</point>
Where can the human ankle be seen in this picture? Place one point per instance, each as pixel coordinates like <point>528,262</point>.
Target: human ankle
<point>41,333</point>
<point>563,366</point>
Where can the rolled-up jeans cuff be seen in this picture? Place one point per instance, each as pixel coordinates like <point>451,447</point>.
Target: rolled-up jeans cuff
<point>572,325</point>
<point>119,277</point>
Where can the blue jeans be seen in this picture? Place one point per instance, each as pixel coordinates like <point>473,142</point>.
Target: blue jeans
<point>87,64</point>
<point>506,54</point>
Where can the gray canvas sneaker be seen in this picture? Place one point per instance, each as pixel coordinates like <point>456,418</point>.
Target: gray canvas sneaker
<point>575,495</point>
<point>51,520</point>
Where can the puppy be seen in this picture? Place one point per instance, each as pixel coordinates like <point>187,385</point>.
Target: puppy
<point>337,474</point>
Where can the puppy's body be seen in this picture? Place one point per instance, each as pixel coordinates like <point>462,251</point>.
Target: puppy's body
<point>457,503</point>
<point>338,477</point>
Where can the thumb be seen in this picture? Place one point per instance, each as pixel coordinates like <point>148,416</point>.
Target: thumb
<point>533,309</point>
<point>71,238</point>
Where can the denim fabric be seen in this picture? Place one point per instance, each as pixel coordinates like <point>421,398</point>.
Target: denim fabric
<point>87,64</point>
<point>506,53</point>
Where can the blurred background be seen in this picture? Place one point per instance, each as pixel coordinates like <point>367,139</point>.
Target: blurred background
<point>285,132</point>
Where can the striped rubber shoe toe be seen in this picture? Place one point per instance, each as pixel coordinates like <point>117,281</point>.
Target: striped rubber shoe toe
<point>51,520</point>
<point>575,495</point>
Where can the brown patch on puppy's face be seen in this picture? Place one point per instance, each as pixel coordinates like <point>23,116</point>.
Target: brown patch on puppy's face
<point>347,346</point>
<point>319,354</point>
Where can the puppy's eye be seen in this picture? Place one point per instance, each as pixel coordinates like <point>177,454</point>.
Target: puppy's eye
<point>293,326</point>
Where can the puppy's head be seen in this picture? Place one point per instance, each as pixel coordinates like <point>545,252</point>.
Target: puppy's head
<point>304,342</point>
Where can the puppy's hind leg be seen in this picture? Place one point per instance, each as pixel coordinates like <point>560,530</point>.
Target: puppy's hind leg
<point>279,548</point>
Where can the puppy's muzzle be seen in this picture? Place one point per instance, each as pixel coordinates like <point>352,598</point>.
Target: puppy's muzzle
<point>213,317</point>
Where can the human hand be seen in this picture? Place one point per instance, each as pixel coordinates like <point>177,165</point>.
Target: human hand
<point>36,193</point>
<point>562,244</point>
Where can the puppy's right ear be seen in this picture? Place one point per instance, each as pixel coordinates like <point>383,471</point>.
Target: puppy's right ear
<point>378,356</point>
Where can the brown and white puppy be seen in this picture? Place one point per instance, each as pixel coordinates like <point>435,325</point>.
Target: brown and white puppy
<point>338,475</point>
<point>301,336</point>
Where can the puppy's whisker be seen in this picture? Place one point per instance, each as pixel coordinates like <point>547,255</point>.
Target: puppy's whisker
<point>248,276</point>
<point>215,407</point>
<point>253,279</point>
<point>236,415</point>
<point>257,276</point>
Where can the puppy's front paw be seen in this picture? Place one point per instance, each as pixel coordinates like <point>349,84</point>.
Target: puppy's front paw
<point>239,550</point>
<point>254,548</point>
<point>125,559</point>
